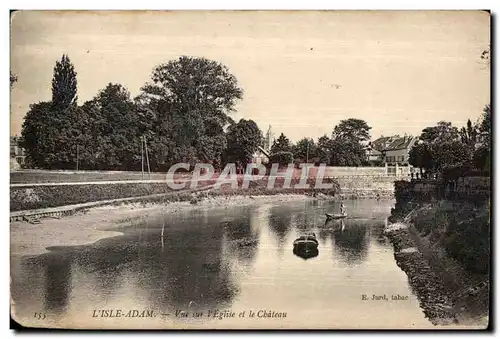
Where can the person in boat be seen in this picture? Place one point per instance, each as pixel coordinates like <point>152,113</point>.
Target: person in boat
<point>342,208</point>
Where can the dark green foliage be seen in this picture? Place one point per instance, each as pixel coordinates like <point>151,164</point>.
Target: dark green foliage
<point>336,152</point>
<point>467,238</point>
<point>282,144</point>
<point>111,136</point>
<point>482,159</point>
<point>243,140</point>
<point>347,153</point>
<point>345,148</point>
<point>468,134</point>
<point>181,114</point>
<point>186,107</point>
<point>51,130</point>
<point>444,146</point>
<point>356,130</point>
<point>64,84</point>
<point>442,132</point>
<point>305,149</point>
<point>49,136</point>
<point>282,158</point>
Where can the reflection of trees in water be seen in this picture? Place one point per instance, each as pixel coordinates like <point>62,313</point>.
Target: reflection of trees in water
<point>351,242</point>
<point>243,240</point>
<point>191,270</point>
<point>28,285</point>
<point>280,221</point>
<point>57,282</point>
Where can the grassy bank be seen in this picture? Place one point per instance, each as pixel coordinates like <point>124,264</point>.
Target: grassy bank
<point>31,197</point>
<point>35,197</point>
<point>452,242</point>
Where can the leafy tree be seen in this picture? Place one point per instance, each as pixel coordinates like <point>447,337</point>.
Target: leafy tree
<point>243,140</point>
<point>347,152</point>
<point>442,132</point>
<point>468,135</point>
<point>115,127</point>
<point>346,145</point>
<point>50,137</point>
<point>420,156</point>
<point>323,149</point>
<point>282,144</point>
<point>305,149</point>
<point>194,96</point>
<point>51,130</point>
<point>36,135</point>
<point>485,125</point>
<point>352,129</point>
<point>64,84</point>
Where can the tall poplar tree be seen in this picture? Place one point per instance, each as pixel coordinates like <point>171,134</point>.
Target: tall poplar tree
<point>64,92</point>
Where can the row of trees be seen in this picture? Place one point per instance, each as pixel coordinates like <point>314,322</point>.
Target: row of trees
<point>183,113</point>
<point>345,147</point>
<point>445,148</point>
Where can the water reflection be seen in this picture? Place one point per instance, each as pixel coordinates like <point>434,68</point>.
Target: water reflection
<point>57,284</point>
<point>243,239</point>
<point>204,260</point>
<point>351,242</point>
<point>280,221</point>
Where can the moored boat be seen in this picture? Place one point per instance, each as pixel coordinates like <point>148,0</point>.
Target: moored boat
<point>305,243</point>
<point>331,216</point>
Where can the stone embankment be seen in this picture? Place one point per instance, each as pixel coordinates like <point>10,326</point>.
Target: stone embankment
<point>433,296</point>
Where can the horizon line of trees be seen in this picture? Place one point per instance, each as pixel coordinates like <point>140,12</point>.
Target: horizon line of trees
<point>455,152</point>
<point>184,115</point>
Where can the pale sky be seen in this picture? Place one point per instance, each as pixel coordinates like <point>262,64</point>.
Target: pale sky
<point>399,71</point>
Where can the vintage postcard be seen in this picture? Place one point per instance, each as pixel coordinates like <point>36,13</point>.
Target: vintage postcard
<point>250,169</point>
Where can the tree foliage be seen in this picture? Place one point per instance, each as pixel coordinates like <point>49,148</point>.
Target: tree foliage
<point>421,157</point>
<point>194,97</point>
<point>64,84</point>
<point>282,144</point>
<point>305,149</point>
<point>444,131</point>
<point>243,140</point>
<point>355,130</point>
<point>282,158</point>
<point>444,147</point>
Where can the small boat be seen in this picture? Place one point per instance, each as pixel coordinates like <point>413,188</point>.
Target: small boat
<point>306,254</point>
<point>331,216</point>
<point>305,243</point>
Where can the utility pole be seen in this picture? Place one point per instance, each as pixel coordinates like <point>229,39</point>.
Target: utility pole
<point>307,152</point>
<point>77,157</point>
<point>142,158</point>
<point>147,157</point>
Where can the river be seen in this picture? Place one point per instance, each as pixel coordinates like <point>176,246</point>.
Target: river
<point>237,260</point>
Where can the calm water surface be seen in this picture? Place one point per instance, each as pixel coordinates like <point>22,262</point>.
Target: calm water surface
<point>237,259</point>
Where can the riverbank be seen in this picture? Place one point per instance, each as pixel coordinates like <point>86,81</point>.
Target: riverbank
<point>448,294</point>
<point>88,226</point>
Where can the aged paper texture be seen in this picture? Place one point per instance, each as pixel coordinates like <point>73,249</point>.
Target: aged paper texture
<point>250,169</point>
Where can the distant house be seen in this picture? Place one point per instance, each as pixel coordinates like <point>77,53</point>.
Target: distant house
<point>261,156</point>
<point>393,150</point>
<point>17,154</point>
